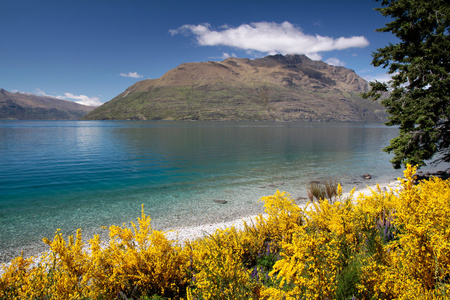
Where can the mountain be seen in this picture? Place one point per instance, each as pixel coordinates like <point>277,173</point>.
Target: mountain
<point>273,88</point>
<point>20,106</point>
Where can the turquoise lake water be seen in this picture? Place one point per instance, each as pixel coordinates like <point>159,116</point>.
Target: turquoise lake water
<point>88,174</point>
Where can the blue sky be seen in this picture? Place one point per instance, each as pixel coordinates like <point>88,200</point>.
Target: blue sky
<point>90,51</point>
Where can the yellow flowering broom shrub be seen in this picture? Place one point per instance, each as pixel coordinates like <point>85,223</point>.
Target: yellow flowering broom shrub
<point>418,259</point>
<point>387,245</point>
<point>309,265</point>
<point>283,218</point>
<point>219,270</point>
<point>391,244</point>
<point>137,262</point>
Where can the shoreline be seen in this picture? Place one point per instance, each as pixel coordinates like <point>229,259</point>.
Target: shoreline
<point>184,233</point>
<point>190,233</point>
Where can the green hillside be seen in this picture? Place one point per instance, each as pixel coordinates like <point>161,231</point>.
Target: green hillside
<point>274,88</point>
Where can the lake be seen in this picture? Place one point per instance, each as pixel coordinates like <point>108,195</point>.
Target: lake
<point>88,174</point>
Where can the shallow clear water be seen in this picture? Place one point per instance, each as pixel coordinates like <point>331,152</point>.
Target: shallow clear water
<point>88,174</point>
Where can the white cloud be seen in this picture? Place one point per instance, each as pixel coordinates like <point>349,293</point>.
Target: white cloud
<point>131,75</point>
<point>271,38</point>
<point>82,99</point>
<point>40,92</point>
<point>226,55</point>
<point>335,62</point>
<point>381,77</point>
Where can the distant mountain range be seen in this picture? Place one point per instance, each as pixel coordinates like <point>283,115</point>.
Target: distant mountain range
<point>21,106</point>
<point>273,88</point>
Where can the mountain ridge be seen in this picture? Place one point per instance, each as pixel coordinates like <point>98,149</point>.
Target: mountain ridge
<point>21,106</point>
<point>273,88</point>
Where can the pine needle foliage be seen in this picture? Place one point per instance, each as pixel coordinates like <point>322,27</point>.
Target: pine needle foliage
<point>419,93</point>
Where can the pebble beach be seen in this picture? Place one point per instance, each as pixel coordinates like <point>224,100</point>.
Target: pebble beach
<point>191,233</point>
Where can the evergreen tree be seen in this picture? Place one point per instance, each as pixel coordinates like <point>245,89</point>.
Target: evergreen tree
<point>418,96</point>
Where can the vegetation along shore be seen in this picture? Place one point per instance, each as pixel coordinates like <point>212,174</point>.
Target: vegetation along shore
<point>386,244</point>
